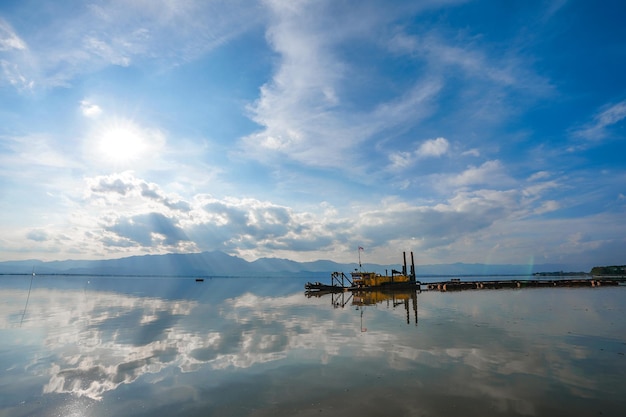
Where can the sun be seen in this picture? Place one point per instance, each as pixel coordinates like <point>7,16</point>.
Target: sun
<point>121,143</point>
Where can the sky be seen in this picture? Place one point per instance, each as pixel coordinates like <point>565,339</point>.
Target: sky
<point>464,131</point>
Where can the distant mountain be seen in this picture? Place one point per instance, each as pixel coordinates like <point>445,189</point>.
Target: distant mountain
<point>204,264</point>
<point>273,265</point>
<point>220,264</point>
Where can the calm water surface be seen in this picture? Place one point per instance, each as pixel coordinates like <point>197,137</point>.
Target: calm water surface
<point>96,346</point>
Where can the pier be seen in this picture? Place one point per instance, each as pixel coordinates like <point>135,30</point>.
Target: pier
<point>456,284</point>
<point>407,280</point>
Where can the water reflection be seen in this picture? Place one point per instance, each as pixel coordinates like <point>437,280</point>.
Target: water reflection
<point>96,341</point>
<point>362,299</point>
<point>87,343</point>
<point>245,347</point>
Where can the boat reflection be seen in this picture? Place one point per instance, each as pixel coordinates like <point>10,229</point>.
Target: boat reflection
<point>139,347</point>
<point>361,299</point>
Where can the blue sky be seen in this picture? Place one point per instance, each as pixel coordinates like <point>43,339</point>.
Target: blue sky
<point>465,131</point>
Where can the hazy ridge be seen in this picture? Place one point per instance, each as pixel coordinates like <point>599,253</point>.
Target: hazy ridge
<point>220,264</point>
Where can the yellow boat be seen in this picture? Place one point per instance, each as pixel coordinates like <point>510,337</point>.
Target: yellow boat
<point>368,280</point>
<point>397,278</point>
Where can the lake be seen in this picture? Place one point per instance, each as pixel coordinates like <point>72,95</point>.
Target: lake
<point>130,346</point>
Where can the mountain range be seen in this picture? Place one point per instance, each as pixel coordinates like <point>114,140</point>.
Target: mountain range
<point>218,263</point>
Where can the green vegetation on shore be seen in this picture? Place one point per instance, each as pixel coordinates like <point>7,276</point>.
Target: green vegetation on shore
<point>609,270</point>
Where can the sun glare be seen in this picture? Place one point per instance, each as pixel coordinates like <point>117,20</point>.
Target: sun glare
<point>121,144</point>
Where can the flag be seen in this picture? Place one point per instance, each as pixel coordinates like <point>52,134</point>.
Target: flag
<point>361,248</point>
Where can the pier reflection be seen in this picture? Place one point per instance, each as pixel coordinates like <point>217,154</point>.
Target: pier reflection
<point>147,346</point>
<point>406,298</point>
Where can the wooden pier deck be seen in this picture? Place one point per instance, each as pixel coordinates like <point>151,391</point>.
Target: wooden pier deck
<point>458,285</point>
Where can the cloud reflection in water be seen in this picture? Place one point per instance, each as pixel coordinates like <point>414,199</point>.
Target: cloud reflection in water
<point>516,349</point>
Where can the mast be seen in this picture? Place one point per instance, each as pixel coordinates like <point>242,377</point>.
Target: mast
<point>360,249</point>
<point>404,265</point>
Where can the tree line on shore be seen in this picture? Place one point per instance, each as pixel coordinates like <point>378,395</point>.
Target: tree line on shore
<point>609,270</point>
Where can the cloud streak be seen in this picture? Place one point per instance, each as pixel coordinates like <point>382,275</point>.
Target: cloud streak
<point>305,129</point>
<point>9,39</point>
<point>121,34</point>
<point>600,127</point>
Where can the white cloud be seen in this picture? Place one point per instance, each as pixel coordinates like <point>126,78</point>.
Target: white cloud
<point>305,111</point>
<point>117,32</point>
<point>433,148</point>
<point>537,189</point>
<point>15,76</point>
<point>471,152</point>
<point>539,176</point>
<point>128,215</point>
<point>551,240</point>
<point>411,107</point>
<point>9,39</point>
<point>547,207</point>
<point>110,53</point>
<point>301,121</point>
<point>37,235</point>
<point>90,109</point>
<point>329,104</point>
<point>490,172</point>
<point>295,108</point>
<point>124,215</point>
<point>490,84</point>
<point>125,188</point>
<point>130,212</point>
<point>506,70</point>
<point>602,121</point>
<point>401,160</point>
<point>35,152</point>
